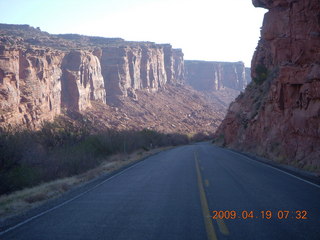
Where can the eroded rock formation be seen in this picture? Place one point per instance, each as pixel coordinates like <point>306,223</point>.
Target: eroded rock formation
<point>42,73</point>
<point>81,80</point>
<point>146,66</point>
<point>212,76</point>
<point>278,116</point>
<point>178,66</point>
<point>30,89</point>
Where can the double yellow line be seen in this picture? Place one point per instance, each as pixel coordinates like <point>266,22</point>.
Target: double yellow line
<point>211,233</point>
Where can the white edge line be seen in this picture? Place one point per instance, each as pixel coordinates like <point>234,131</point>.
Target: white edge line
<point>270,166</point>
<point>68,201</point>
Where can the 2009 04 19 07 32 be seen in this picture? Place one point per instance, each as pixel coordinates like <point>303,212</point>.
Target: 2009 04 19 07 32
<point>265,214</point>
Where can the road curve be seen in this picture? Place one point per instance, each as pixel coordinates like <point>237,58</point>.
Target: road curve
<point>189,192</point>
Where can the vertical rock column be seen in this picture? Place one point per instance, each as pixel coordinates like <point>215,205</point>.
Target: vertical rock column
<point>178,66</point>
<point>81,80</point>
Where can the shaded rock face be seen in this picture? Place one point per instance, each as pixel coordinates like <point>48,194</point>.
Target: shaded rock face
<point>247,76</point>
<point>82,80</point>
<point>178,66</point>
<point>142,66</point>
<point>212,76</point>
<point>30,89</point>
<point>279,114</point>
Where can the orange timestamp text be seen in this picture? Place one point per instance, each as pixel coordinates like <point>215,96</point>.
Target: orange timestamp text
<point>265,214</point>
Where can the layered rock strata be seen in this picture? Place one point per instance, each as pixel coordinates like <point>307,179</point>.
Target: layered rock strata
<point>40,73</point>
<point>178,66</point>
<point>30,89</point>
<point>82,80</point>
<point>142,66</point>
<point>213,76</point>
<point>279,114</point>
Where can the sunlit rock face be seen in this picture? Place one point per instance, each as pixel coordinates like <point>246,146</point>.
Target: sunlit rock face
<point>30,89</point>
<point>140,66</point>
<point>278,116</point>
<point>212,76</point>
<point>36,83</point>
<point>82,80</point>
<point>178,66</point>
<point>42,75</point>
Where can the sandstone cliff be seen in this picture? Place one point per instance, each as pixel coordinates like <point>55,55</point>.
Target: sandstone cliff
<point>178,66</point>
<point>30,89</point>
<point>42,73</point>
<point>146,66</point>
<point>278,116</point>
<point>81,80</point>
<point>212,76</point>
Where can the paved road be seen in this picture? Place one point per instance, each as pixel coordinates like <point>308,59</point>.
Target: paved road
<point>172,195</point>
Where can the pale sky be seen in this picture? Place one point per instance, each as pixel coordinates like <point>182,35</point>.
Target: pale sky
<point>212,30</point>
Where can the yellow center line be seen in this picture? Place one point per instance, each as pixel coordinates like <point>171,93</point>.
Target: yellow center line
<point>211,234</point>
<point>222,227</point>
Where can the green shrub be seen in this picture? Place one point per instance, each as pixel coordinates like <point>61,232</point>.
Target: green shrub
<point>18,177</point>
<point>63,148</point>
<point>261,74</point>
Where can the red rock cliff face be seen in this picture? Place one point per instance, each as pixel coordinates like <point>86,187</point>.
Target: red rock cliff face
<point>141,66</point>
<point>178,66</point>
<point>30,89</point>
<point>212,76</point>
<point>41,73</point>
<point>36,83</point>
<point>81,80</point>
<point>279,114</point>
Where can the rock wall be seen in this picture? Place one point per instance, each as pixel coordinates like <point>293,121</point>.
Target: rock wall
<point>36,83</point>
<point>178,66</point>
<point>212,76</point>
<point>82,80</point>
<point>141,66</point>
<point>278,116</point>
<point>40,74</point>
<point>247,76</point>
<point>30,89</point>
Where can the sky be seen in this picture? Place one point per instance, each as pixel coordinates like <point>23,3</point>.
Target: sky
<point>211,30</point>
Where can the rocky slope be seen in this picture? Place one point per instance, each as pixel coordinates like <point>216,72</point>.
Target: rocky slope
<point>174,109</point>
<point>213,76</point>
<point>278,116</point>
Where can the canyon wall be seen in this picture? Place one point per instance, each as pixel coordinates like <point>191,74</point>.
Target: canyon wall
<point>278,116</point>
<point>145,66</point>
<point>40,74</point>
<point>213,76</point>
<point>81,80</point>
<point>178,66</point>
<point>30,89</point>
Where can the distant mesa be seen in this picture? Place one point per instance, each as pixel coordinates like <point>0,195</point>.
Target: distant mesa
<point>213,76</point>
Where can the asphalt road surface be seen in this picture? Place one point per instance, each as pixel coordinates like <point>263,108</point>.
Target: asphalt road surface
<point>191,192</point>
